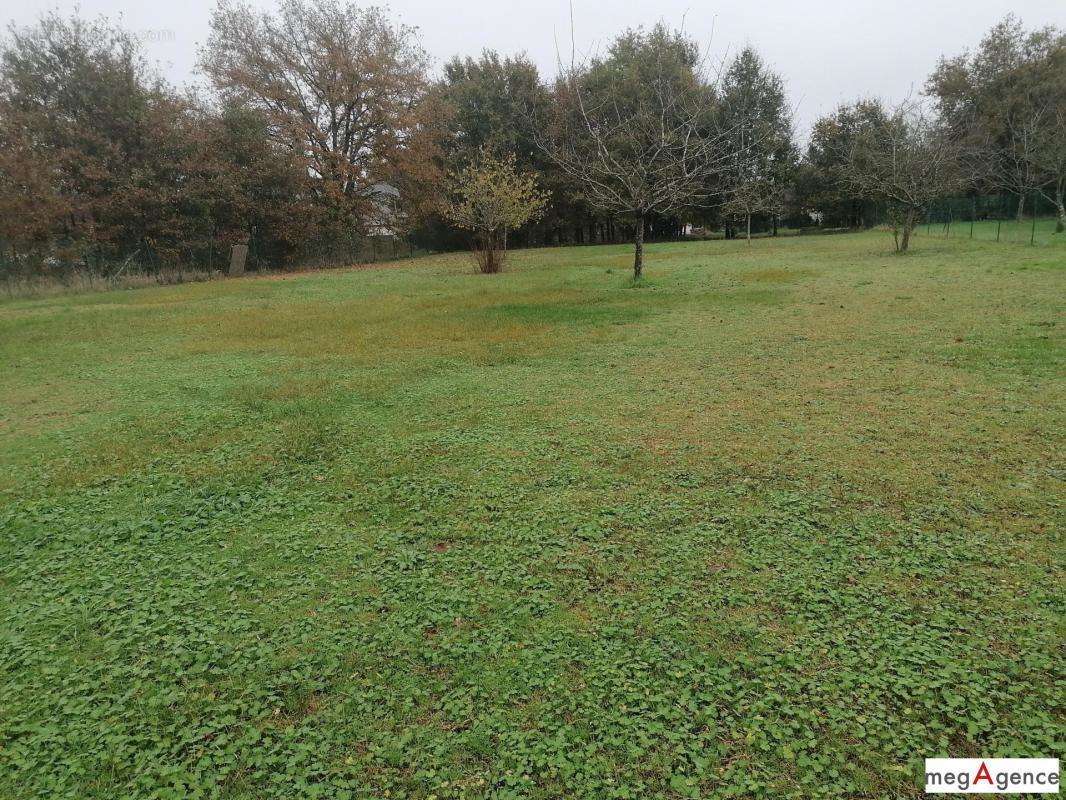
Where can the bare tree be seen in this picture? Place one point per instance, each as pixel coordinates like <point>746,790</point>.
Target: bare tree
<point>1048,152</point>
<point>637,130</point>
<point>750,195</point>
<point>1051,156</point>
<point>1013,164</point>
<point>906,162</point>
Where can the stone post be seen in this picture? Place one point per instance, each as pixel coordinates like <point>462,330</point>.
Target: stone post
<point>237,256</point>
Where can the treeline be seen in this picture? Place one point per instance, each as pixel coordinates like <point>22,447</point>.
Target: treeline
<point>323,129</point>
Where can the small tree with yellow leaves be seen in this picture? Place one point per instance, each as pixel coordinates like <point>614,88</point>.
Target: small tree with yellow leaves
<point>489,197</point>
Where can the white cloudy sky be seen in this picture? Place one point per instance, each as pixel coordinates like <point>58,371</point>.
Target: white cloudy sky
<point>828,51</point>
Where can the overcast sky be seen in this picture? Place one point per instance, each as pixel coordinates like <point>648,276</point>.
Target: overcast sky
<point>828,52</point>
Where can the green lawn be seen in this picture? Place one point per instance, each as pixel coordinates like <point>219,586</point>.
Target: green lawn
<point>780,522</point>
<point>1022,231</point>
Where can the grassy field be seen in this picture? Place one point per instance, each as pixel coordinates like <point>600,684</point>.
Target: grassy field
<point>780,522</point>
<point>1024,231</point>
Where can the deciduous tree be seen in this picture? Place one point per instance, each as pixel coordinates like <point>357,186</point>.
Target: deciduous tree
<point>1001,99</point>
<point>77,98</point>
<point>490,197</point>
<point>908,162</point>
<point>1049,155</point>
<point>637,129</point>
<point>755,114</point>
<point>341,85</point>
<point>821,184</point>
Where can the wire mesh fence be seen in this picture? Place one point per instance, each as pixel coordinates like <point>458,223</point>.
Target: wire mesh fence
<point>37,273</point>
<point>336,252</point>
<point>1009,219</point>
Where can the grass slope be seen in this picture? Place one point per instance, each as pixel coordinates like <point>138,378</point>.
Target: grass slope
<point>779,523</point>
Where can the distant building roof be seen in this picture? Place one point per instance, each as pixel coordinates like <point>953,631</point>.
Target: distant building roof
<point>381,189</point>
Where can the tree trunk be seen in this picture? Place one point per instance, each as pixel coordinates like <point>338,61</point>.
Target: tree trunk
<point>488,251</point>
<point>638,249</point>
<point>1060,226</point>
<point>775,225</point>
<point>1021,208</point>
<point>749,229</point>
<point>910,220</point>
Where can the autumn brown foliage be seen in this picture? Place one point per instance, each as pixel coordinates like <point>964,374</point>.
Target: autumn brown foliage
<point>321,138</point>
<point>105,168</point>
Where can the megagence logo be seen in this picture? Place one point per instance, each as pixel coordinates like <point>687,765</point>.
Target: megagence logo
<point>992,776</point>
